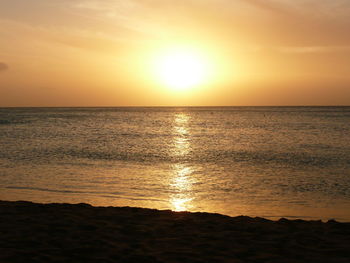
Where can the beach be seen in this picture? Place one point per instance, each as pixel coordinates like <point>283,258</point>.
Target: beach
<point>32,232</point>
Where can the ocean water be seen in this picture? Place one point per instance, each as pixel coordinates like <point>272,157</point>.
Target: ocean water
<point>270,162</point>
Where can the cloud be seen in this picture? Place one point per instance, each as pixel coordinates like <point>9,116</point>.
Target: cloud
<point>303,26</point>
<point>3,67</point>
<point>268,5</point>
<point>314,49</point>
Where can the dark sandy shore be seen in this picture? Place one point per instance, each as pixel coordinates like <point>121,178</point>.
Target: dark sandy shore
<point>32,232</point>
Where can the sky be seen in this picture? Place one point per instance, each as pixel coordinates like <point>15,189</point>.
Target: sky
<point>104,52</point>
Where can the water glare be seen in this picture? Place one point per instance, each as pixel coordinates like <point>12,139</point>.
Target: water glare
<point>269,162</point>
<point>181,181</point>
<point>181,188</point>
<point>180,135</point>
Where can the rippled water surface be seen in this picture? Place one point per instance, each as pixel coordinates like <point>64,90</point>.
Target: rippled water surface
<point>258,161</point>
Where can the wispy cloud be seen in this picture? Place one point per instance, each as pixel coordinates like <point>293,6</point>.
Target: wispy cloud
<point>313,49</point>
<point>303,26</point>
<point>269,5</point>
<point>3,67</point>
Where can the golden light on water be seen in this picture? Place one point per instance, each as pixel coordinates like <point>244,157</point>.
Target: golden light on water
<point>181,123</point>
<point>180,135</point>
<point>181,180</point>
<point>181,204</point>
<point>181,184</point>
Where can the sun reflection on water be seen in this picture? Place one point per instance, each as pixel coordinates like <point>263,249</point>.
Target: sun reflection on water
<point>181,186</point>
<point>181,181</point>
<point>180,135</point>
<point>181,204</point>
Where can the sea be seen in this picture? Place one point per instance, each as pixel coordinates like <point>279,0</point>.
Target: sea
<point>271,162</point>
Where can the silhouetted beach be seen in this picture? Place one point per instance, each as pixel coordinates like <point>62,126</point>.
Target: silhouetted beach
<point>31,232</point>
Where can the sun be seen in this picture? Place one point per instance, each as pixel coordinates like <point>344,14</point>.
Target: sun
<point>181,69</point>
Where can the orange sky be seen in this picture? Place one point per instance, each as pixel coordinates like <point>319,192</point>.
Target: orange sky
<point>100,52</point>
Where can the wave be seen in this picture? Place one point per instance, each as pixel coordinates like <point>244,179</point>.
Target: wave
<point>159,155</point>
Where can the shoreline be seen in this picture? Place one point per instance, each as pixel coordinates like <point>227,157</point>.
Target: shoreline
<point>33,232</point>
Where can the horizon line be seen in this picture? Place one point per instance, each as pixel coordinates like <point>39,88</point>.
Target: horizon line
<point>173,106</point>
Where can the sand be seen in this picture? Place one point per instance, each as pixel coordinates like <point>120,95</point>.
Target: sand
<point>31,232</point>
